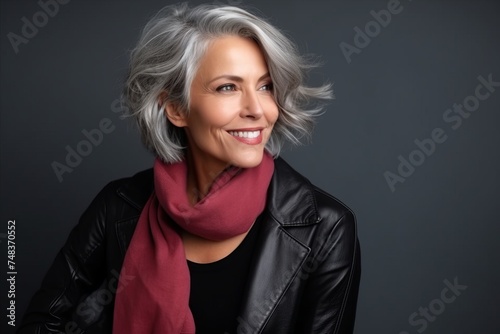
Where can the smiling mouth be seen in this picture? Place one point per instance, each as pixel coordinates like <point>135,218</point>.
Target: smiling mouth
<point>250,137</point>
<point>245,134</point>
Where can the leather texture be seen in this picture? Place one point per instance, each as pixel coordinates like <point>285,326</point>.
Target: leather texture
<point>304,277</point>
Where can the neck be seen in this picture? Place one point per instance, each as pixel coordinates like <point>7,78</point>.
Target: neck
<point>200,177</point>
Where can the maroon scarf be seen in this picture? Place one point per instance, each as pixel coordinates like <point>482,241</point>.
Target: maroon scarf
<point>157,298</point>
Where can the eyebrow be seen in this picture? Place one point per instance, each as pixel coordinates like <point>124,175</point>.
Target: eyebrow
<point>237,78</point>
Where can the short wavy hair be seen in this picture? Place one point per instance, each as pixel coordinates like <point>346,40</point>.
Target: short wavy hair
<point>167,57</point>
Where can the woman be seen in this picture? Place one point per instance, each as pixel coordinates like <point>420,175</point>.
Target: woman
<point>221,236</point>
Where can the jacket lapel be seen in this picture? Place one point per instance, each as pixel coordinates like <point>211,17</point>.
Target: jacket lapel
<point>291,202</point>
<point>277,250</point>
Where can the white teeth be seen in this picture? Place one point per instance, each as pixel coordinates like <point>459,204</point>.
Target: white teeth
<point>245,134</point>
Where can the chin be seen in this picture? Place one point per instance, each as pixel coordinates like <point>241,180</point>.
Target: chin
<point>248,160</point>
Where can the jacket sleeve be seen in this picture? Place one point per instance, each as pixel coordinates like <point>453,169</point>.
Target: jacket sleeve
<point>77,270</point>
<point>330,296</point>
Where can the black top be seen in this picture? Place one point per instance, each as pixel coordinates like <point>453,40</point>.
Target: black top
<point>217,288</point>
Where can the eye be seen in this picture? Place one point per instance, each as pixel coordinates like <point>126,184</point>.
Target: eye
<point>267,87</point>
<point>226,88</point>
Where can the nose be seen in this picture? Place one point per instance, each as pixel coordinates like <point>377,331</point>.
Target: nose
<point>251,106</point>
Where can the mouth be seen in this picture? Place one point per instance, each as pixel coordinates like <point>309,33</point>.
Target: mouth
<point>247,136</point>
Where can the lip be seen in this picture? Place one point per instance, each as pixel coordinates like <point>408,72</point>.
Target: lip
<point>249,141</point>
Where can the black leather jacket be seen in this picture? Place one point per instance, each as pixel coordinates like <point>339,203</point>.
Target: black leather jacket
<point>304,278</point>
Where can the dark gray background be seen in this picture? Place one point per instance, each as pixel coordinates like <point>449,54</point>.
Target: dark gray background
<point>441,223</point>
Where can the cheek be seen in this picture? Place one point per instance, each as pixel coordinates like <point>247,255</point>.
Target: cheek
<point>208,119</point>
<point>272,112</point>
<point>219,114</point>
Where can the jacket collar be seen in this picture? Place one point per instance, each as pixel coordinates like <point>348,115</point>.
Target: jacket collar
<point>287,188</point>
<point>138,190</point>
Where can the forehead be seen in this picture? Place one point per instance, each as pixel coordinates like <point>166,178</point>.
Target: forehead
<point>233,54</point>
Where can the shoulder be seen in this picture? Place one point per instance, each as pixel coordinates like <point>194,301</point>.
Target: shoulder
<point>296,202</point>
<point>113,212</point>
<point>337,222</point>
<point>332,209</point>
<point>122,198</point>
<point>134,190</point>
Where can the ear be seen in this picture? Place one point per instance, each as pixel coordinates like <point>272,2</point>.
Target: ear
<point>175,114</point>
<point>173,111</point>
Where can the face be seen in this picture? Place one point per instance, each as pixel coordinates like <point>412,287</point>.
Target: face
<point>232,110</point>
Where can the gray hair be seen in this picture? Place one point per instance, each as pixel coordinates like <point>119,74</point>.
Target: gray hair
<point>166,59</point>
